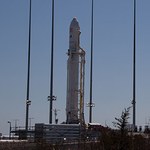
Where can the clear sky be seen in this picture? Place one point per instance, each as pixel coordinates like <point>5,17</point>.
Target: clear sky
<point>113,47</point>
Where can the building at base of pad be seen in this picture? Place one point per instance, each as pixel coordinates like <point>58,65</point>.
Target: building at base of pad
<point>57,132</point>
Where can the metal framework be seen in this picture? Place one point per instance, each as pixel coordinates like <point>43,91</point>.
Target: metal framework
<point>81,82</point>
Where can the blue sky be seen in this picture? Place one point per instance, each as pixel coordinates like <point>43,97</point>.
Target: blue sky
<point>112,72</point>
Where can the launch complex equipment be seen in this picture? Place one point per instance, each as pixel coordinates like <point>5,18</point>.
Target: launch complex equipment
<point>74,126</point>
<point>73,130</point>
<point>75,77</point>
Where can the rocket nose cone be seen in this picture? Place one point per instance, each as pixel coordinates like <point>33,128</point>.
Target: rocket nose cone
<point>75,24</point>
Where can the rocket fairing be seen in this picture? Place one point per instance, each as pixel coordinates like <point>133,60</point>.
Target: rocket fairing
<point>73,73</point>
<point>74,35</point>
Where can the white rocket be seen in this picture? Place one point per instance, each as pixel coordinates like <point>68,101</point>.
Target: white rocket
<point>73,74</point>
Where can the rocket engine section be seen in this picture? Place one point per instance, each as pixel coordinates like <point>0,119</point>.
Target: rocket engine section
<point>74,87</point>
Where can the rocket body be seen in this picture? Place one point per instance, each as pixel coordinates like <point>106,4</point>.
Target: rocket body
<point>73,73</point>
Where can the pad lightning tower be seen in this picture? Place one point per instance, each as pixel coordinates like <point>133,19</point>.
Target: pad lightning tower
<point>75,76</point>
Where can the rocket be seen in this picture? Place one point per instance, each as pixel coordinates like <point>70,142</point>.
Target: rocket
<point>74,35</point>
<point>72,97</point>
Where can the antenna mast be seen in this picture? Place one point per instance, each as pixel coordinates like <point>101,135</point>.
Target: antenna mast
<point>91,69</point>
<point>28,102</point>
<point>134,69</point>
<point>51,98</point>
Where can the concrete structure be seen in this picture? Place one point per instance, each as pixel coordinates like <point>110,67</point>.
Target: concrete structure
<point>57,133</point>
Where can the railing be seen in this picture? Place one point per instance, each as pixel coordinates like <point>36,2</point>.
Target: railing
<point>22,128</point>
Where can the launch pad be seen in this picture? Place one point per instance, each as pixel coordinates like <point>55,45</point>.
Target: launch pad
<point>74,127</point>
<point>75,123</point>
